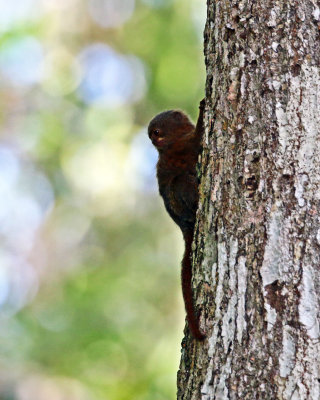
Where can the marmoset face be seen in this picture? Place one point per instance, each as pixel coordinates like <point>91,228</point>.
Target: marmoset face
<point>167,127</point>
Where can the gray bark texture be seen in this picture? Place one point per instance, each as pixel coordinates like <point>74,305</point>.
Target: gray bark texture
<point>257,243</point>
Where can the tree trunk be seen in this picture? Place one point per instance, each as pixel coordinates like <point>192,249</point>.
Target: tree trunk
<point>257,245</point>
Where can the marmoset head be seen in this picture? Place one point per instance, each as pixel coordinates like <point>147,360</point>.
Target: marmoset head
<point>167,127</point>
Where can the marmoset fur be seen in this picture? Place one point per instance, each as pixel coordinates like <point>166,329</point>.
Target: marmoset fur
<point>178,142</point>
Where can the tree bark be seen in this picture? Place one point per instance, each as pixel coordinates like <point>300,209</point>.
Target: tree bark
<point>257,245</point>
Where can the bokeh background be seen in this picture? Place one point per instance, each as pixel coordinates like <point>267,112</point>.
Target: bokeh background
<point>90,299</point>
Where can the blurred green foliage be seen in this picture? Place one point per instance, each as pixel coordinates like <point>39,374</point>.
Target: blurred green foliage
<point>90,302</point>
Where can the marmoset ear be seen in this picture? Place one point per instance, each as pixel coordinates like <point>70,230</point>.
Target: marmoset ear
<point>178,115</point>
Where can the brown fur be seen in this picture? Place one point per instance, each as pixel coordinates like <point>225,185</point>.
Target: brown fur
<point>178,142</point>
